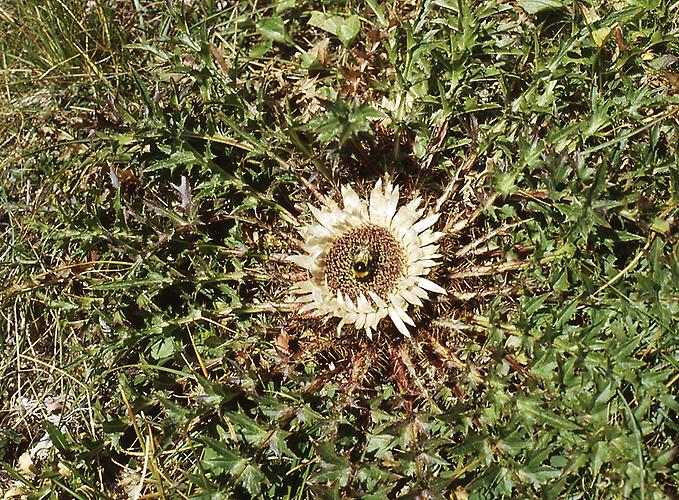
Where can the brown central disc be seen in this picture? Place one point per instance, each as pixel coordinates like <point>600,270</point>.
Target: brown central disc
<point>365,259</point>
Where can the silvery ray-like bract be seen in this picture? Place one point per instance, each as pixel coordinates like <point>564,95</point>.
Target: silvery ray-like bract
<point>367,260</point>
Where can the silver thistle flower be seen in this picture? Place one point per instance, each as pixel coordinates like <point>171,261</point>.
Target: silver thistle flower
<point>368,260</point>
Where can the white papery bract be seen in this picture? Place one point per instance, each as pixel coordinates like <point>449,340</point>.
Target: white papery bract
<point>367,260</point>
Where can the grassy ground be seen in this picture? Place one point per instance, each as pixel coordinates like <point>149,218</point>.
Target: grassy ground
<point>155,163</point>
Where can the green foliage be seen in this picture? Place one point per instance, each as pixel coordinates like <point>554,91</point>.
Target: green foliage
<point>55,38</point>
<point>150,191</point>
<point>343,28</point>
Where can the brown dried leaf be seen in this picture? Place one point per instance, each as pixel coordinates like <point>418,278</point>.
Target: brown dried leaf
<point>320,52</point>
<point>218,54</point>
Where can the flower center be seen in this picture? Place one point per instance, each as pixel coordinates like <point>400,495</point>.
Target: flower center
<point>365,259</point>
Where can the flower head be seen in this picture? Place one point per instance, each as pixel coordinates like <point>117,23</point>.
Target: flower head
<point>368,260</point>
